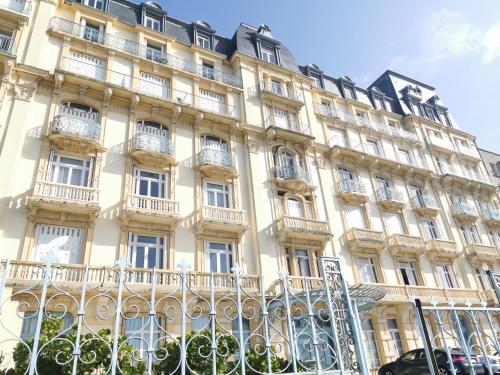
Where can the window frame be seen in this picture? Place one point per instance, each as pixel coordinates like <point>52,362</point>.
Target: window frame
<point>161,245</point>
<point>229,250</point>
<point>55,165</point>
<point>153,21</point>
<point>374,266</point>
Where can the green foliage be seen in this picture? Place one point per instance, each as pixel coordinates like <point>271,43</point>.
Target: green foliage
<point>257,362</point>
<point>56,353</point>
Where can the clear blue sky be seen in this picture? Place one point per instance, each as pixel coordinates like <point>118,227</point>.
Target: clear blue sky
<point>453,45</point>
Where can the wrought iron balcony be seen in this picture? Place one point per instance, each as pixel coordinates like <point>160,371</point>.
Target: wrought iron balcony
<point>302,228</point>
<point>222,219</point>
<point>60,197</point>
<point>491,216</point>
<point>352,191</point>
<point>479,254</point>
<point>365,240</point>
<point>279,92</point>
<point>216,162</point>
<point>406,245</point>
<point>326,111</point>
<point>76,131</point>
<point>464,212</point>
<point>19,6</point>
<point>441,249</point>
<point>425,205</point>
<point>293,177</point>
<point>151,209</point>
<point>7,45</point>
<point>127,46</point>
<point>152,150</point>
<point>390,198</point>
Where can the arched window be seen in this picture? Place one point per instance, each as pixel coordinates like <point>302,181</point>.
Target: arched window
<point>212,142</point>
<point>153,128</point>
<point>295,207</point>
<point>79,111</point>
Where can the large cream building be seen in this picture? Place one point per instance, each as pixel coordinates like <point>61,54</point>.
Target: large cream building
<point>127,133</point>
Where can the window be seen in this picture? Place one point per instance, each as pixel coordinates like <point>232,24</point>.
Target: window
<point>202,41</point>
<point>405,156</point>
<point>415,108</point>
<point>445,275</point>
<point>430,228</point>
<point>470,233</point>
<point>355,217</point>
<point>158,135</point>
<point>408,273</point>
<point>281,119</point>
<point>303,263</point>
<point>235,330</point>
<point>149,184</point>
<point>465,330</point>
<point>317,82</point>
<point>96,4</point>
<point>378,104</point>
<point>429,114</point>
<point>372,147</point>
<point>212,102</point>
<point>495,238</point>
<point>218,195</point>
<point>64,242</point>
<point>337,137</point>
<point>152,23</point>
<point>147,251</point>
<point>370,343</point>
<point>86,65</point>
<point>397,344</point>
<point>220,257</point>
<point>214,143</point>
<point>295,207</point>
<point>443,117</point>
<point>137,331</point>
<point>154,53</point>
<point>277,87</point>
<point>208,70</point>
<point>93,32</point>
<point>268,54</point>
<point>154,86</point>
<point>199,323</point>
<point>394,223</point>
<point>349,93</point>
<point>69,171</point>
<point>326,108</point>
<point>367,270</point>
<point>482,278</point>
<point>361,118</point>
<point>28,328</point>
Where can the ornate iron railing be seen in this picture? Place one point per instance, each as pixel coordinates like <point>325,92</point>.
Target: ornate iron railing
<point>292,173</point>
<point>349,186</point>
<point>280,90</point>
<point>215,157</point>
<point>289,124</point>
<point>175,321</point>
<point>6,44</point>
<point>490,214</point>
<point>124,45</point>
<point>76,126</point>
<point>460,208</point>
<point>151,143</point>
<point>423,201</point>
<point>389,194</point>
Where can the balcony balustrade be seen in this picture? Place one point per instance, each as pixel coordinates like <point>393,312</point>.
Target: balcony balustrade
<point>441,144</point>
<point>76,130</point>
<point>352,191</point>
<point>441,250</point>
<point>145,85</point>
<point>19,6</point>
<point>302,228</point>
<point>479,254</point>
<point>151,209</point>
<point>7,45</point>
<point>151,149</point>
<point>491,216</point>
<point>222,219</point>
<point>61,197</point>
<point>425,206</point>
<point>365,240</point>
<point>117,43</point>
<point>289,130</point>
<point>464,212</point>
<point>292,177</point>
<point>216,162</point>
<point>406,245</point>
<point>390,198</point>
<point>280,93</point>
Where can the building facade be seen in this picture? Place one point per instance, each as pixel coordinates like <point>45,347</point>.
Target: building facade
<point>492,162</point>
<point>126,133</point>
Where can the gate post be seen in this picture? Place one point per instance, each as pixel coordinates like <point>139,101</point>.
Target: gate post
<point>424,334</point>
<point>332,265</point>
<point>495,283</point>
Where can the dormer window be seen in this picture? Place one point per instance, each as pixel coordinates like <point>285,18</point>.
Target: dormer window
<point>349,93</point>
<point>317,82</point>
<point>96,4</point>
<point>444,119</point>
<point>268,54</point>
<point>379,104</point>
<point>415,108</point>
<point>203,41</point>
<point>152,23</point>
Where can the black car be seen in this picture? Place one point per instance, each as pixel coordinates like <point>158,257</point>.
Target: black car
<point>415,363</point>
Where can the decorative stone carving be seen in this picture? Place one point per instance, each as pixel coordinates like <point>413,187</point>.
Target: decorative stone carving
<point>58,81</point>
<point>24,92</point>
<point>175,113</point>
<point>108,92</point>
<point>134,102</point>
<point>83,91</point>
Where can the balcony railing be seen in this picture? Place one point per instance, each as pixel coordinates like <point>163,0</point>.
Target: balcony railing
<point>292,173</point>
<point>127,46</point>
<point>21,6</point>
<point>224,215</point>
<point>212,156</point>
<point>423,201</point>
<point>66,193</point>
<point>152,143</point>
<point>6,45</point>
<point>303,224</point>
<point>154,205</point>
<point>81,126</point>
<point>324,110</point>
<point>280,90</point>
<point>490,214</point>
<point>440,142</point>
<point>290,124</point>
<point>146,87</point>
<point>348,186</point>
<point>389,194</point>
<point>462,208</point>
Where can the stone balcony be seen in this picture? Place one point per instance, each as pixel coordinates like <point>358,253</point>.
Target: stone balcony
<point>390,199</point>
<point>290,227</point>
<point>405,245</point>
<point>76,131</point>
<point>441,144</point>
<point>491,217</point>
<point>152,150</point>
<point>217,163</point>
<point>365,240</point>
<point>64,198</point>
<point>352,192</point>
<point>294,178</point>
<point>478,254</point>
<point>442,250</point>
<point>468,153</point>
<point>151,209</point>
<point>425,205</point>
<point>465,213</point>
<point>288,130</point>
<point>222,219</point>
